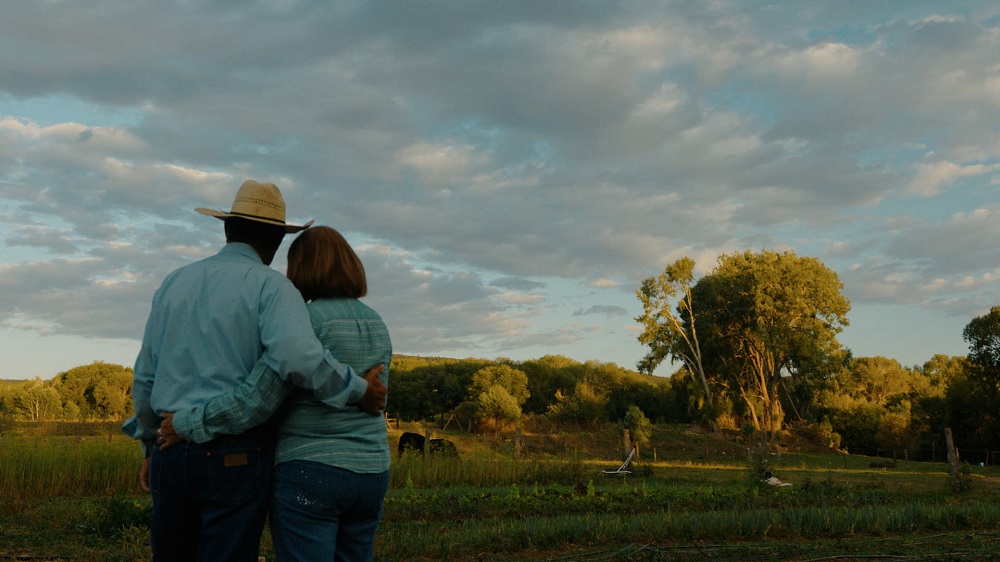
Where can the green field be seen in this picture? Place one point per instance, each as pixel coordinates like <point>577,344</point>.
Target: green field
<point>70,492</point>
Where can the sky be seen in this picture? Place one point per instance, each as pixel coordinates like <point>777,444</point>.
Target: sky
<point>509,172</point>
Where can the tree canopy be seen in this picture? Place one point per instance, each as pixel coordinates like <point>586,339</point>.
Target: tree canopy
<point>981,413</point>
<point>761,317</point>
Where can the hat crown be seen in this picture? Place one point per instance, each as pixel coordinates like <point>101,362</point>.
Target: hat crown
<point>261,200</point>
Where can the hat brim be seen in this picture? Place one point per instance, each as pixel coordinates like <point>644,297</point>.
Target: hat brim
<point>222,215</point>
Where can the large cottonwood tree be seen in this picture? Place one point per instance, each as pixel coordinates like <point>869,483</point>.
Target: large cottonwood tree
<point>764,316</point>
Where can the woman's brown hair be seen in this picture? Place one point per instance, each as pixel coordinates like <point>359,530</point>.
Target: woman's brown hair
<point>321,264</point>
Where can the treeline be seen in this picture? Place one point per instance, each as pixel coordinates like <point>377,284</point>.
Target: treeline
<point>99,391</point>
<point>872,405</point>
<point>479,391</point>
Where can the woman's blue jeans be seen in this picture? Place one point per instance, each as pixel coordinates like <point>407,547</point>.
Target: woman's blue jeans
<point>320,512</point>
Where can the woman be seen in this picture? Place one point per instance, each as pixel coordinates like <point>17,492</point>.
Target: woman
<point>332,466</point>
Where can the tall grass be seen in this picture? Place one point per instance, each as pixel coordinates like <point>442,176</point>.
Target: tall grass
<point>53,465</point>
<point>432,471</point>
<point>59,465</point>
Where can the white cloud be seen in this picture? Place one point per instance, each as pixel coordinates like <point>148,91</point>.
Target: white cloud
<point>821,66</point>
<point>605,310</point>
<point>521,299</point>
<point>438,164</point>
<point>931,179</point>
<point>604,283</point>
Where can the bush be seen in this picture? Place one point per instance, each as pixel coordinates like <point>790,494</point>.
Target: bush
<point>638,425</point>
<point>118,514</point>
<point>586,406</point>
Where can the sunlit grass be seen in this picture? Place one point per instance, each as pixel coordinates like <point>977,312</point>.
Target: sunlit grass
<point>60,465</point>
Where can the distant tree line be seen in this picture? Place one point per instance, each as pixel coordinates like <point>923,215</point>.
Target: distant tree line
<point>98,391</point>
<point>497,394</point>
<point>872,404</point>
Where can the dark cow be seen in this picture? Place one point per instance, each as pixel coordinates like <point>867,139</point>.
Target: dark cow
<point>410,441</point>
<point>442,447</point>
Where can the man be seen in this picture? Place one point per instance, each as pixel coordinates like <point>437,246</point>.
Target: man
<point>210,323</point>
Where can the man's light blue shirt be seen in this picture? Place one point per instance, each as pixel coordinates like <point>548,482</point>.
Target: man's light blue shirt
<point>210,323</point>
<point>309,429</point>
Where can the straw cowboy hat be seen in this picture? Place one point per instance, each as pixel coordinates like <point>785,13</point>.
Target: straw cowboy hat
<point>261,202</point>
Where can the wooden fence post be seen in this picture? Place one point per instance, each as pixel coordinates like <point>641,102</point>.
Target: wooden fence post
<point>955,469</point>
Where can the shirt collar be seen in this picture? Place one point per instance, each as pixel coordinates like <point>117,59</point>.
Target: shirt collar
<point>242,249</point>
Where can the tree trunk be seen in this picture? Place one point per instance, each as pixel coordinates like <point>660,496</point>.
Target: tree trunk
<point>762,367</point>
<point>751,409</point>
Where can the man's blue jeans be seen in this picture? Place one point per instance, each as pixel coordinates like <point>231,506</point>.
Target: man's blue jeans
<point>210,499</point>
<point>320,512</point>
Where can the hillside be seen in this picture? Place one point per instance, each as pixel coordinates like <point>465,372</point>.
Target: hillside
<point>668,442</point>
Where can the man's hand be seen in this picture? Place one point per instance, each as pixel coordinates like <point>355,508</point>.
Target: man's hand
<point>144,474</point>
<point>166,437</point>
<point>373,401</point>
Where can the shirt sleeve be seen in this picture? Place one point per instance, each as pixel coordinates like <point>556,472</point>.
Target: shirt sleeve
<point>144,423</point>
<point>248,405</point>
<point>292,350</point>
